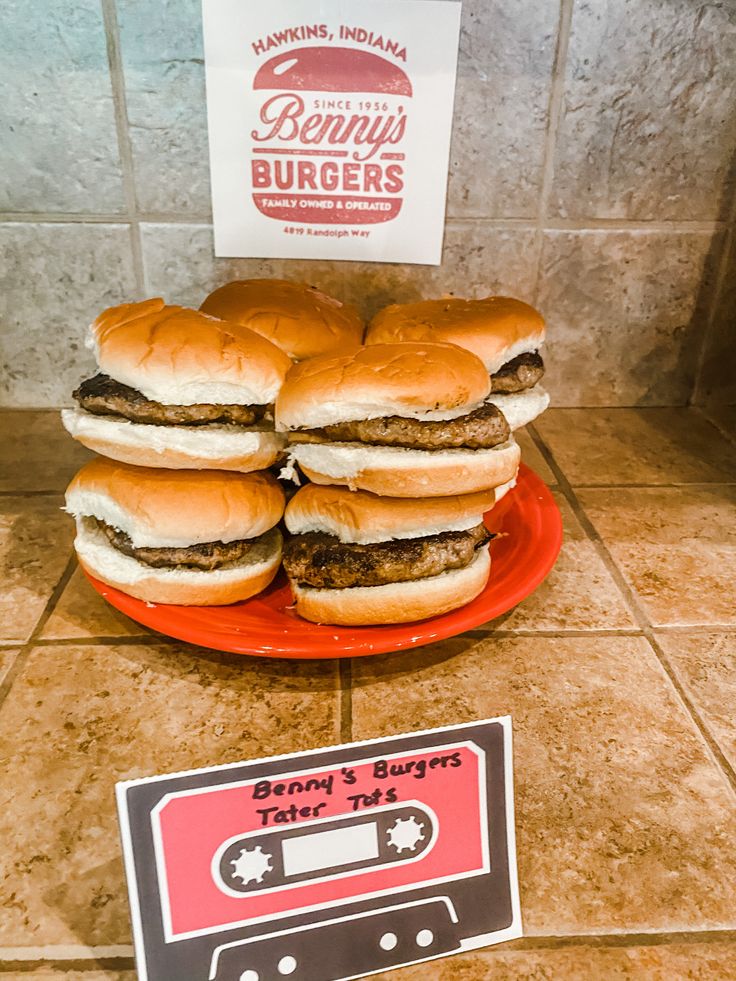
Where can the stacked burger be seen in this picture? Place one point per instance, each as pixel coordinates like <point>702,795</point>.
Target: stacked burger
<point>183,510</point>
<point>190,537</point>
<point>178,389</point>
<point>408,455</point>
<point>504,333</point>
<point>301,320</point>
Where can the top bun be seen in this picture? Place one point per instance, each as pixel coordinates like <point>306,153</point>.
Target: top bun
<point>419,381</point>
<point>176,508</point>
<point>297,318</point>
<point>496,328</point>
<point>178,356</point>
<point>359,516</point>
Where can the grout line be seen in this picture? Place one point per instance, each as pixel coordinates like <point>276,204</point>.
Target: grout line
<point>137,252</point>
<point>729,244</point>
<point>57,495</point>
<point>62,218</point>
<point>26,648</point>
<point>162,218</point>
<point>624,939</point>
<point>13,670</point>
<point>672,484</point>
<point>121,956</point>
<point>696,628</point>
<point>508,221</point>
<point>554,109</point>
<point>702,412</point>
<point>480,633</point>
<point>345,675</point>
<point>159,640</point>
<point>23,965</point>
<point>34,493</point>
<point>635,609</point>
<point>66,953</point>
<point>728,434</point>
<point>53,599</point>
<point>631,225</point>
<point>552,224</point>
<point>105,640</point>
<point>117,80</point>
<point>121,218</point>
<point>530,224</point>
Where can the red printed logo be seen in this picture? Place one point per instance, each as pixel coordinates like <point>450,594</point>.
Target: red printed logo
<point>328,147</point>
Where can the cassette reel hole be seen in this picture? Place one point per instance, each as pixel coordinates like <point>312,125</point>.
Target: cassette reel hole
<point>388,941</point>
<point>249,976</point>
<point>425,938</point>
<point>287,965</point>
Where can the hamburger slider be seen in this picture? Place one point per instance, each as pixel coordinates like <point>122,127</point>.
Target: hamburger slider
<point>179,389</point>
<point>401,420</point>
<point>504,333</point>
<point>299,319</point>
<point>195,538</point>
<point>354,558</point>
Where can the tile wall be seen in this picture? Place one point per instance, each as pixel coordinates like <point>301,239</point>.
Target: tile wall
<point>592,173</point>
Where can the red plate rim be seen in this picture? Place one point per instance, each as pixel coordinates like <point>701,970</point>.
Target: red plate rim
<point>530,539</point>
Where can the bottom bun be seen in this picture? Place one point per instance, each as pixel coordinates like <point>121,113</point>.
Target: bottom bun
<point>396,602</point>
<point>395,472</point>
<point>183,587</point>
<point>521,408</point>
<point>175,447</point>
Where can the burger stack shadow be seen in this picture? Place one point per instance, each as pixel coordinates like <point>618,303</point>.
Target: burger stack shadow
<point>181,507</point>
<point>407,442</point>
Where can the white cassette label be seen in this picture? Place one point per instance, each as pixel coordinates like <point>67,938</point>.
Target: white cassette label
<point>326,849</point>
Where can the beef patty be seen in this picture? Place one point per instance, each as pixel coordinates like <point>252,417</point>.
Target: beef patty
<point>518,374</point>
<point>103,396</point>
<point>206,556</point>
<point>481,429</point>
<point>323,561</point>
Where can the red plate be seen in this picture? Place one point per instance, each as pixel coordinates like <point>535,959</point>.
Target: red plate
<point>530,538</point>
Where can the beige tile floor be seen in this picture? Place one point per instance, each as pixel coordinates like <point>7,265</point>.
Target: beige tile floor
<point>619,673</point>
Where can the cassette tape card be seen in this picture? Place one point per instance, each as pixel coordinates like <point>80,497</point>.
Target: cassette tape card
<point>326,865</point>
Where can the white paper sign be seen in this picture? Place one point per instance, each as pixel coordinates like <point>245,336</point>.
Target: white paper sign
<point>329,126</point>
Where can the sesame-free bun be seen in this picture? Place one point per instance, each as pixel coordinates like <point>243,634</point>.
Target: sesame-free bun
<point>178,356</point>
<point>396,602</point>
<point>521,408</point>
<point>176,508</point>
<point>365,518</point>
<point>175,447</point>
<point>391,471</point>
<point>495,328</point>
<point>297,318</point>
<point>181,586</point>
<point>416,380</point>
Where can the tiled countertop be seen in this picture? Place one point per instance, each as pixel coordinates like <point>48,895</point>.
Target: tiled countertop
<point>619,673</point>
